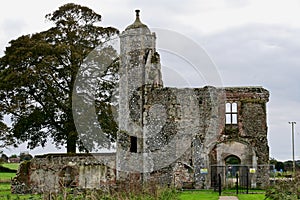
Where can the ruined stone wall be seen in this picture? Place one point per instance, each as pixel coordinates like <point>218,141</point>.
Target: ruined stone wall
<point>251,129</point>
<point>53,172</point>
<point>181,125</point>
<point>188,125</point>
<point>174,126</point>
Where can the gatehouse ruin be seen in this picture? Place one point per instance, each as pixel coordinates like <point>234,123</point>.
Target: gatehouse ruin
<point>181,137</point>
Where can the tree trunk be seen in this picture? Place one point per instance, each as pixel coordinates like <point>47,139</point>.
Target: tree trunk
<point>71,142</point>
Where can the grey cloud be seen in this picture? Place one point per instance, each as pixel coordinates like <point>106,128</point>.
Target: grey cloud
<point>9,29</point>
<point>12,26</point>
<point>263,55</point>
<point>237,3</point>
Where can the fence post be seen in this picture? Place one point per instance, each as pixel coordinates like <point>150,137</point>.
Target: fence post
<point>247,179</point>
<point>237,183</point>
<point>220,184</point>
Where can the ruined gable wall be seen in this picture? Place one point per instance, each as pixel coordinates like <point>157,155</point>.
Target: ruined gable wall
<point>252,118</point>
<point>252,127</point>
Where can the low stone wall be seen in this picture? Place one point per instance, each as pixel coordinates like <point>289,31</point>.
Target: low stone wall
<point>53,172</point>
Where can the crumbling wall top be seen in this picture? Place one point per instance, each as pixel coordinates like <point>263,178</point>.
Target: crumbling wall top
<point>247,93</point>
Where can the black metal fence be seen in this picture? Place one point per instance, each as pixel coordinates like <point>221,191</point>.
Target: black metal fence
<point>237,178</point>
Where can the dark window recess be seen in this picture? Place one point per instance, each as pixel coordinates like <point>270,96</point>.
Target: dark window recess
<point>133,144</point>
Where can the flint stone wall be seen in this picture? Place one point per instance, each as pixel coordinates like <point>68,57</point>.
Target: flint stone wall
<point>195,119</point>
<point>52,172</point>
<point>187,126</point>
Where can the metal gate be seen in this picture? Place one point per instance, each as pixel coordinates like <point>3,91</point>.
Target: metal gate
<point>239,178</point>
<point>242,180</point>
<point>235,177</point>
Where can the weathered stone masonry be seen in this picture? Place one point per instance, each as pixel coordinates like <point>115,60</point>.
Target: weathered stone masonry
<point>52,172</point>
<point>161,118</point>
<point>171,136</point>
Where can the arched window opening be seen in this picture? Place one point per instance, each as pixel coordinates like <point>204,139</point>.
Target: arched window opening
<point>232,160</point>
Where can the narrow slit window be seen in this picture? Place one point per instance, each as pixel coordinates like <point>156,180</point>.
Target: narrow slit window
<point>133,144</point>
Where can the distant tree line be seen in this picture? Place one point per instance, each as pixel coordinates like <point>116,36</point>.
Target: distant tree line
<point>285,166</point>
<point>15,158</point>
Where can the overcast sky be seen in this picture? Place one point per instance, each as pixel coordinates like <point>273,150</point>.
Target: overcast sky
<point>251,42</point>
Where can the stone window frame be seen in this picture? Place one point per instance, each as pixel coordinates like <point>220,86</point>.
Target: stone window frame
<point>231,113</point>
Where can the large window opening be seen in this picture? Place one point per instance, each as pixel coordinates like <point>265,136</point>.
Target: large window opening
<point>231,113</point>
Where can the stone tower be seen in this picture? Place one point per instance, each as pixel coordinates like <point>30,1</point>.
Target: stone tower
<point>139,72</point>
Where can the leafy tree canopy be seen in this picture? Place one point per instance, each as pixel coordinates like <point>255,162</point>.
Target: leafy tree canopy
<point>37,75</point>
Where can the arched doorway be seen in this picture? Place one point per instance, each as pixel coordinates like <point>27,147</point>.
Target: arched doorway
<point>232,163</point>
<point>229,159</point>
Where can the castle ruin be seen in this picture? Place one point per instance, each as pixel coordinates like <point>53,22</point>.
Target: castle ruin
<point>173,136</point>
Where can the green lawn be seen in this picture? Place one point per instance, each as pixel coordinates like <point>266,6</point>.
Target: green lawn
<point>6,176</point>
<point>251,196</point>
<point>199,195</point>
<point>208,194</point>
<point>11,165</point>
<point>6,194</point>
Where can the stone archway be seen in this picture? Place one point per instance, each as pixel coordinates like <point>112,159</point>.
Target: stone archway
<point>232,164</point>
<point>237,151</point>
<point>230,156</point>
<point>68,176</point>
<point>232,160</point>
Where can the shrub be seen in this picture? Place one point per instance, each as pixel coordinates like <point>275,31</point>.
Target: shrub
<point>285,189</point>
<point>146,193</point>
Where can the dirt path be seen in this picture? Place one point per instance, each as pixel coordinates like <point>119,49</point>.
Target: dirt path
<point>228,198</point>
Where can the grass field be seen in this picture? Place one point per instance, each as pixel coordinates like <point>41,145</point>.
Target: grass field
<point>6,194</point>
<point>4,176</point>
<point>251,196</point>
<point>11,165</point>
<point>7,176</point>
<point>207,194</point>
<point>199,195</point>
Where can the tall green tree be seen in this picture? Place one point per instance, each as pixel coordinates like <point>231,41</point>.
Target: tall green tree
<point>38,72</point>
